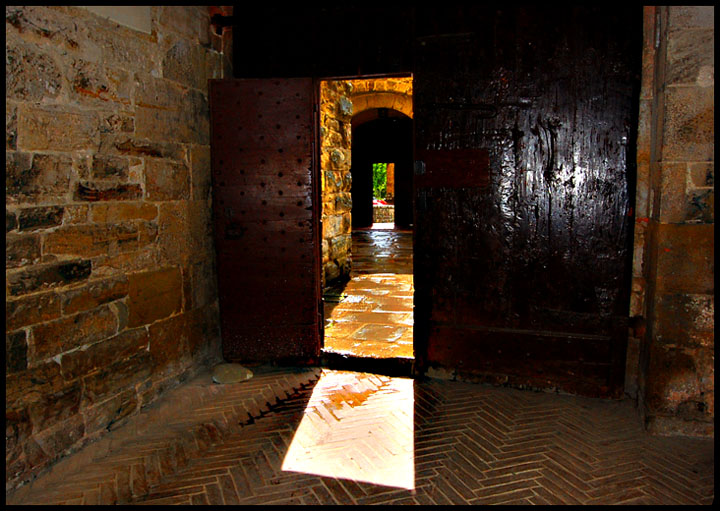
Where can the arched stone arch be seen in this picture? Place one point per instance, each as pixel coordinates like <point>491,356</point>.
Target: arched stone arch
<point>390,100</point>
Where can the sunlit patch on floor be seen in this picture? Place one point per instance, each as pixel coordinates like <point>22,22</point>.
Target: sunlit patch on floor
<point>357,426</point>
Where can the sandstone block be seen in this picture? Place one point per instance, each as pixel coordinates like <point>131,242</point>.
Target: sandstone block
<point>689,131</point>
<point>154,295</point>
<point>688,16</point>
<point>10,126</point>
<point>116,377</point>
<point>92,240</point>
<point>96,85</point>
<point>190,64</point>
<point>110,167</point>
<point>702,174</point>
<point>174,232</point>
<point>94,294</point>
<point>49,409</point>
<point>126,344</point>
<point>15,351</point>
<point>200,180</point>
<point>29,74</point>
<point>685,258</point>
<point>125,145</point>
<point>685,320</point>
<point>24,386</point>
<point>166,180</point>
<point>11,222</point>
<point>40,177</point>
<point>31,219</point>
<point>204,330</point>
<point>123,212</point>
<point>109,414</point>
<point>688,52</point>
<point>122,122</point>
<point>52,442</point>
<point>102,191</point>
<point>56,129</point>
<point>45,276</point>
<point>31,309</point>
<point>700,206</point>
<point>21,249</point>
<point>169,342</point>
<point>204,283</point>
<point>55,337</point>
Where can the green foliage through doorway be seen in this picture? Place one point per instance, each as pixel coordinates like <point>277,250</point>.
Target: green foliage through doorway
<point>379,180</point>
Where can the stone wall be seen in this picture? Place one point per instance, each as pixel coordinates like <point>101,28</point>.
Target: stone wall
<point>110,277</point>
<point>335,122</point>
<point>673,270</point>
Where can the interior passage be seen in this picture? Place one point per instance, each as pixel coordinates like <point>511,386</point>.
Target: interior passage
<point>372,314</point>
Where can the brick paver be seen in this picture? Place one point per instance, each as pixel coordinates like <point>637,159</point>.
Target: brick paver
<point>471,444</point>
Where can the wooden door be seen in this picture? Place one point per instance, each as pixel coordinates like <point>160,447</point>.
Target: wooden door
<point>524,134</point>
<point>266,219</point>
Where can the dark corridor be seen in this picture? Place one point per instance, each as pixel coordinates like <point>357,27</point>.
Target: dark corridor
<point>383,140</point>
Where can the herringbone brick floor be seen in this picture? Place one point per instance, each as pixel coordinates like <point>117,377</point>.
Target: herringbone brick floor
<point>336,437</point>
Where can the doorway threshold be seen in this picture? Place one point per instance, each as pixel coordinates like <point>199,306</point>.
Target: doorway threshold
<point>394,366</point>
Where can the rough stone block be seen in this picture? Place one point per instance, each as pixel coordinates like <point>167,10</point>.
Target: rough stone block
<point>190,64</point>
<point>125,145</point>
<point>154,295</point>
<point>702,174</point>
<point>689,130</point>
<point>169,342</point>
<point>55,440</point>
<point>174,232</point>
<point>39,177</point>
<point>204,330</point>
<point>687,16</point>
<point>56,129</point>
<point>92,240</point>
<point>123,212</point>
<point>204,283</point>
<point>31,219</point>
<point>23,386</point>
<point>109,414</point>
<point>21,249</point>
<point>96,85</point>
<point>689,53</point>
<point>116,377</point>
<point>29,74</point>
<point>55,337</point>
<point>685,258</point>
<point>11,221</point>
<point>110,167</point>
<point>126,344</point>
<point>700,206</point>
<point>15,351</point>
<point>31,309</point>
<point>101,191</point>
<point>94,294</point>
<point>166,180</point>
<point>45,276</point>
<point>10,126</point>
<point>200,180</point>
<point>685,320</point>
<point>49,409</point>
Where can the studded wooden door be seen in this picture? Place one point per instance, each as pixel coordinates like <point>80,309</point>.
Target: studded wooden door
<point>266,227</point>
<point>524,126</point>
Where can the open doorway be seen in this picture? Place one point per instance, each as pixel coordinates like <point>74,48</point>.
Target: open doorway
<point>366,164</point>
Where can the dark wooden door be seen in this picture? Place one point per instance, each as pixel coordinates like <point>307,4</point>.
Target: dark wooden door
<point>524,126</point>
<point>266,225</point>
